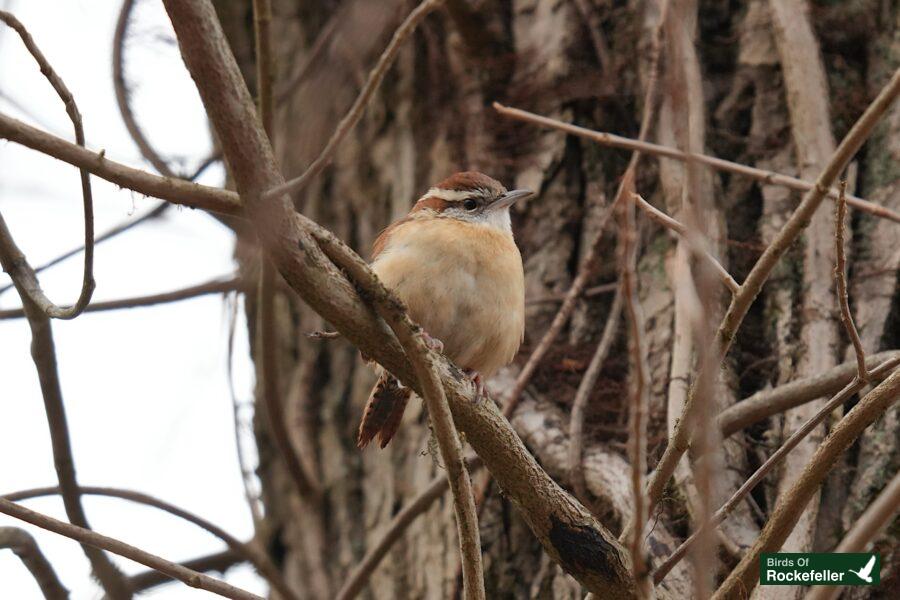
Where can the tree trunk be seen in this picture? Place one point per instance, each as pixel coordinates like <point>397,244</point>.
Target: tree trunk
<point>432,116</point>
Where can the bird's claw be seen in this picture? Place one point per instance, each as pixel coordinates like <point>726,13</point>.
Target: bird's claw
<point>478,382</point>
<point>433,343</point>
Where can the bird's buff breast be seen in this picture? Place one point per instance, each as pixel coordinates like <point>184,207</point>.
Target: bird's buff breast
<point>463,282</point>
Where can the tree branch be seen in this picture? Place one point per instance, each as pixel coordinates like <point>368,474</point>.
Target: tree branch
<point>868,526</point>
<point>791,504</point>
<point>395,529</point>
<point>740,302</point>
<point>99,541</point>
<point>840,278</point>
<point>668,222</point>
<point>617,141</point>
<point>356,110</point>
<point>216,286</point>
<point>248,551</point>
<point>23,545</point>
<point>43,354</point>
<point>218,561</point>
<point>789,444</point>
<point>29,284</point>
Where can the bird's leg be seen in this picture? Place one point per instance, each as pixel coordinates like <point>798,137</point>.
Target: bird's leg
<point>433,343</point>
<point>478,382</point>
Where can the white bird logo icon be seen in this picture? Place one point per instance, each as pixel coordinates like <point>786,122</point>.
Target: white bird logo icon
<point>866,572</point>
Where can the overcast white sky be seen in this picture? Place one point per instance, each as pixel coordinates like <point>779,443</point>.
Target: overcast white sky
<point>145,389</point>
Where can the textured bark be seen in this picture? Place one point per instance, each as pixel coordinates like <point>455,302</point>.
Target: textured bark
<point>431,117</point>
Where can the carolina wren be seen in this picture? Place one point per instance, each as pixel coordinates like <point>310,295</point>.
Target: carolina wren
<point>453,262</point>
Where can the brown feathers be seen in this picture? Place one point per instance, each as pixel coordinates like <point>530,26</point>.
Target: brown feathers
<point>383,411</point>
<point>471,180</point>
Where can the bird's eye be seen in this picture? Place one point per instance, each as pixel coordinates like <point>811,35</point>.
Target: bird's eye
<point>470,204</point>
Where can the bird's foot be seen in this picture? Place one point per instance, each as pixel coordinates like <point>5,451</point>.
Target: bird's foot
<point>478,382</point>
<point>433,343</point>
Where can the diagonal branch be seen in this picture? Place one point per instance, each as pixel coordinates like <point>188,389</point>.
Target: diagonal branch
<point>676,226</point>
<point>356,110</point>
<point>218,561</point>
<point>791,504</point>
<point>102,542</point>
<point>840,278</point>
<point>23,545</point>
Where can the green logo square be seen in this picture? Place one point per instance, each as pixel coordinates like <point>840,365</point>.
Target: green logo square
<point>814,568</point>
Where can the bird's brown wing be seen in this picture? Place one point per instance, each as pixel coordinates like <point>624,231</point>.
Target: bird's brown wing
<point>383,412</point>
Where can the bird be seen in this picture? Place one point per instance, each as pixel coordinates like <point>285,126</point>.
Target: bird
<point>454,263</point>
<point>866,572</point>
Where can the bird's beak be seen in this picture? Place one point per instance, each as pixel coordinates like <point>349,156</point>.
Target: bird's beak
<point>507,199</point>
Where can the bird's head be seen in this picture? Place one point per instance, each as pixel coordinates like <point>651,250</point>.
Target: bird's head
<point>470,196</point>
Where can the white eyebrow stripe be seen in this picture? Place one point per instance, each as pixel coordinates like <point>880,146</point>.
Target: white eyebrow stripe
<point>451,195</point>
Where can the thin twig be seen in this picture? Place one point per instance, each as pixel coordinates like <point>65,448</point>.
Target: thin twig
<point>740,302</point>
<point>617,141</point>
<point>402,520</point>
<point>122,96</point>
<point>286,90</point>
<point>639,398</point>
<point>102,542</point>
<point>356,110</point>
<point>218,561</point>
<point>840,278</point>
<point>248,551</point>
<point>23,545</point>
<point>868,526</point>
<point>216,286</point>
<point>799,435</point>
<point>791,504</point>
<point>43,353</point>
<point>582,396</point>
<point>674,225</point>
<point>32,288</point>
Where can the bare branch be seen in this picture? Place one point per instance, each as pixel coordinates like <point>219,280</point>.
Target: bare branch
<point>740,302</point>
<point>617,141</point>
<point>43,354</point>
<point>640,394</point>
<point>102,542</point>
<point>176,191</point>
<point>216,286</point>
<point>791,504</point>
<point>840,278</point>
<point>674,225</point>
<point>122,97</point>
<point>248,551</point>
<point>395,529</point>
<point>765,403</point>
<point>23,545</point>
<point>789,444</point>
<point>218,561</point>
<point>582,396</point>
<point>27,283</point>
<point>868,526</point>
<point>356,110</point>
